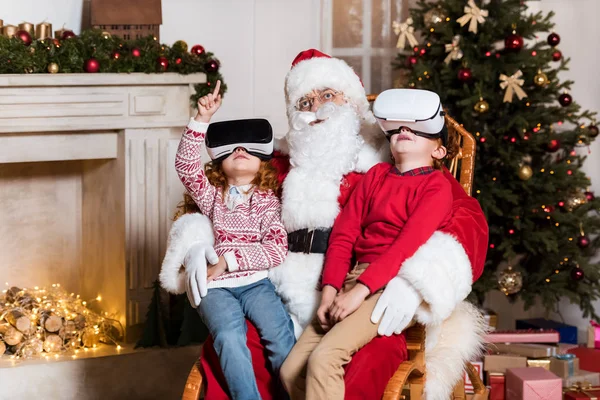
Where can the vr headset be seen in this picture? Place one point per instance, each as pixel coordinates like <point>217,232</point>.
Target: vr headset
<point>418,110</point>
<point>254,135</point>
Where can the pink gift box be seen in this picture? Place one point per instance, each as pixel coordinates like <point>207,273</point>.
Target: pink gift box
<point>532,384</point>
<point>523,336</point>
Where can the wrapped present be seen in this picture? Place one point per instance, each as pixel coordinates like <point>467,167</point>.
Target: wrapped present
<point>564,365</point>
<point>525,349</point>
<point>501,362</point>
<point>539,363</point>
<point>523,336</point>
<point>478,365</point>
<point>491,318</point>
<point>588,377</point>
<point>582,391</point>
<point>497,383</point>
<point>563,348</point>
<point>589,359</point>
<point>567,333</point>
<point>593,341</point>
<point>532,384</point>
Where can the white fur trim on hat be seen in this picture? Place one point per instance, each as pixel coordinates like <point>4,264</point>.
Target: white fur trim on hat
<point>321,73</point>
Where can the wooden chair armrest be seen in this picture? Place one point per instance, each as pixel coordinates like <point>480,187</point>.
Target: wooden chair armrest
<point>193,385</point>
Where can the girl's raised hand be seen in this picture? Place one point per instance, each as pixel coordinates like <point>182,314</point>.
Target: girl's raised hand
<point>209,104</point>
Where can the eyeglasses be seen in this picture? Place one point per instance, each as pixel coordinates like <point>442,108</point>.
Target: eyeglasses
<point>324,96</point>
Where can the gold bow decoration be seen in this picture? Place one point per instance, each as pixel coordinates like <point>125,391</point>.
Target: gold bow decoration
<point>512,84</point>
<point>406,32</point>
<point>583,387</point>
<point>453,50</point>
<point>473,14</point>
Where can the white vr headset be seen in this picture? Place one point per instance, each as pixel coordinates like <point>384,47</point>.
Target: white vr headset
<point>419,110</point>
<point>254,135</point>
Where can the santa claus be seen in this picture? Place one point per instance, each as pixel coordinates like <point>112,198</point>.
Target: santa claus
<point>333,140</point>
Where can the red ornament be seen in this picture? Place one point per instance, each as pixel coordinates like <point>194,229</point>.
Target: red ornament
<point>464,74</point>
<point>92,65</point>
<point>115,55</point>
<point>577,274</point>
<point>178,61</point>
<point>553,146</point>
<point>583,241</point>
<point>163,63</point>
<point>136,52</point>
<point>197,50</point>
<point>67,35</point>
<point>513,42</point>
<point>593,131</point>
<point>589,196</point>
<point>557,55</point>
<point>411,61</point>
<point>553,39</point>
<point>25,37</point>
<point>211,66</point>
<point>565,99</point>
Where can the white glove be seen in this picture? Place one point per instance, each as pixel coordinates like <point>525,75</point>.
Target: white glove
<point>397,304</point>
<point>195,271</point>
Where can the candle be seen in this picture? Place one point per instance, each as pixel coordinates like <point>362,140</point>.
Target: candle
<point>43,30</point>
<point>9,30</point>
<point>26,26</point>
<point>1,24</point>
<point>58,34</point>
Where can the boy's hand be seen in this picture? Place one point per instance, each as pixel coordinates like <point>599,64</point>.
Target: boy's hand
<point>327,298</point>
<point>209,104</point>
<point>216,270</point>
<point>348,302</point>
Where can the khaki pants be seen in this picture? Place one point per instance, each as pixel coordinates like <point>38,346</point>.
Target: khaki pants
<point>314,369</point>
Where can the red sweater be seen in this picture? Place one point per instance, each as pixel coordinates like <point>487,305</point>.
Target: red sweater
<point>387,218</point>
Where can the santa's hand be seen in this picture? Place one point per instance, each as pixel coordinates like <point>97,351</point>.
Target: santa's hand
<point>397,304</point>
<point>195,263</point>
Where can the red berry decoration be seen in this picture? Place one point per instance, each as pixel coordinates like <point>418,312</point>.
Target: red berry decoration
<point>577,274</point>
<point>465,74</point>
<point>589,196</point>
<point>557,55</point>
<point>565,99</point>
<point>197,50</point>
<point>553,146</point>
<point>553,39</point>
<point>178,61</point>
<point>25,37</point>
<point>583,241</point>
<point>411,61</point>
<point>211,66</point>
<point>163,63</point>
<point>92,65</point>
<point>136,52</point>
<point>67,35</point>
<point>513,42</point>
<point>592,131</point>
<point>115,55</point>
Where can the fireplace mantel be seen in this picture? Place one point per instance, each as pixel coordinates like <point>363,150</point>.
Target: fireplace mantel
<point>87,184</point>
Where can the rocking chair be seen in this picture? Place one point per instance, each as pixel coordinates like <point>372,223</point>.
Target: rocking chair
<point>410,373</point>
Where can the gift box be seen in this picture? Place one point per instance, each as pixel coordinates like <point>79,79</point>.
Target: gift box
<point>589,359</point>
<point>588,377</point>
<point>583,391</point>
<point>501,362</point>
<point>567,333</point>
<point>563,348</point>
<point>564,365</point>
<point>523,336</point>
<point>491,318</point>
<point>539,363</point>
<point>497,385</point>
<point>593,341</point>
<point>532,384</point>
<point>526,350</point>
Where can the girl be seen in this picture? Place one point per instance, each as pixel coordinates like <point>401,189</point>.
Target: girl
<point>238,194</point>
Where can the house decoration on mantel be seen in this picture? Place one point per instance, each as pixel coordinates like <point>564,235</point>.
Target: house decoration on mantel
<point>127,19</point>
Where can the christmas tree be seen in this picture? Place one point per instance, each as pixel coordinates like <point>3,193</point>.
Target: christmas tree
<point>155,328</point>
<point>496,68</point>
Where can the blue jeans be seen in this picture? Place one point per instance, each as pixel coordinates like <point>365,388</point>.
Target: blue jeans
<point>224,311</point>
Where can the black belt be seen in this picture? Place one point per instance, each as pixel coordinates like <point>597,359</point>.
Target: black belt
<point>305,241</point>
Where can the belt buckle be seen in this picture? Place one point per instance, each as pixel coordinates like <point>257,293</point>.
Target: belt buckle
<point>310,234</point>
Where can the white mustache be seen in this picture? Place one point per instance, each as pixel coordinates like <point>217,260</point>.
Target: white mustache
<point>301,120</point>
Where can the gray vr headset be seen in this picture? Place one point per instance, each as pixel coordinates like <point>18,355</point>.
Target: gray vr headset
<point>254,135</point>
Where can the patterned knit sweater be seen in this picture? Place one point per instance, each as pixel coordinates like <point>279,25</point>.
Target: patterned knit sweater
<point>250,236</point>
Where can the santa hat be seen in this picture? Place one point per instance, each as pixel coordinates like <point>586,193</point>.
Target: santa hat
<point>312,69</point>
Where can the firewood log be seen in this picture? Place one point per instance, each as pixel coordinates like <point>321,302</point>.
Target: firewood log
<point>12,336</point>
<point>52,323</point>
<point>2,348</point>
<point>11,294</point>
<point>53,343</point>
<point>17,319</point>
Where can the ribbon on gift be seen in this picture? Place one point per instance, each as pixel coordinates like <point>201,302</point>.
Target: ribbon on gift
<point>596,329</point>
<point>570,359</point>
<point>473,14</point>
<point>406,32</point>
<point>584,387</point>
<point>512,84</point>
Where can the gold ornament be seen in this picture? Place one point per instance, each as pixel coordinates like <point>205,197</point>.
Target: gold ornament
<point>106,35</point>
<point>512,84</point>
<point>53,68</point>
<point>541,79</point>
<point>510,281</point>
<point>575,200</point>
<point>481,106</point>
<point>473,14</point>
<point>434,17</point>
<point>453,50</point>
<point>406,32</point>
<point>525,172</point>
<point>181,44</point>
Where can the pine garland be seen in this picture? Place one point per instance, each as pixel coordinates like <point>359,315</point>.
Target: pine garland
<point>71,54</point>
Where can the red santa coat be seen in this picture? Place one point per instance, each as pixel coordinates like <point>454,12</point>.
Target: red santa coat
<point>372,367</point>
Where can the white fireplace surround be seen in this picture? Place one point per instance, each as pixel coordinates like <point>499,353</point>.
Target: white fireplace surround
<point>87,183</point>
